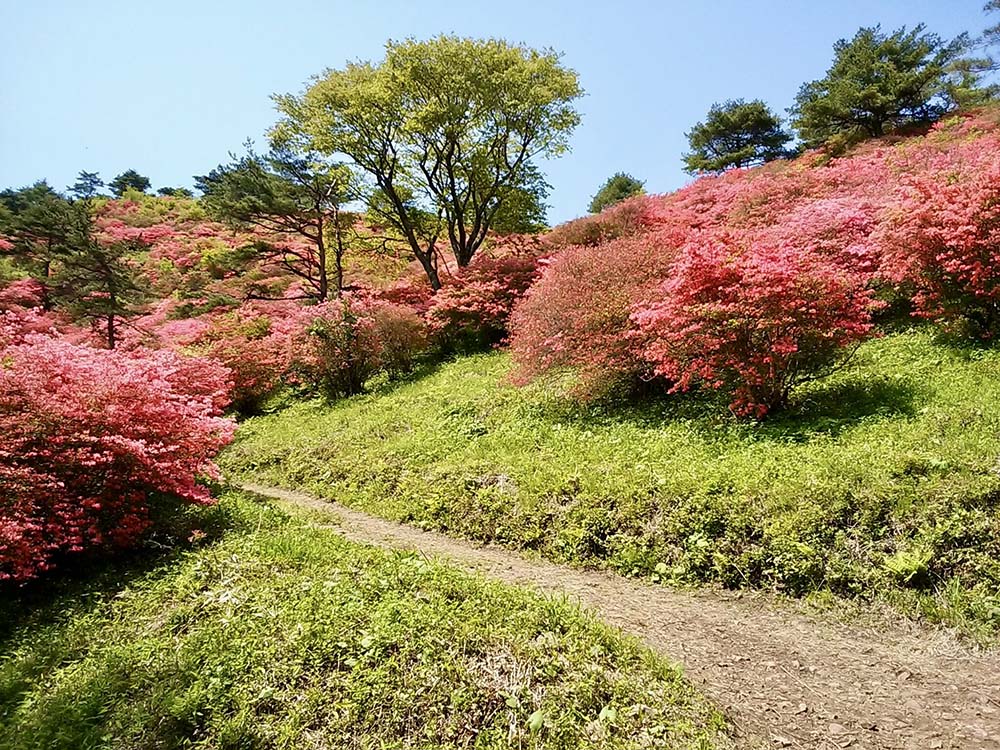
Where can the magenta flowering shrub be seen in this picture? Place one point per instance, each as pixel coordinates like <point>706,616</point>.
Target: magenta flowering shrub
<point>87,438</point>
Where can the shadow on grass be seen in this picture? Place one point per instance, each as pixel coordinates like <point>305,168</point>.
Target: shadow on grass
<point>831,408</point>
<point>78,582</point>
<point>824,408</point>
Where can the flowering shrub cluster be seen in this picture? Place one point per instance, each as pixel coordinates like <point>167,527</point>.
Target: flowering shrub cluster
<point>756,323</point>
<point>472,309</point>
<point>258,349</point>
<point>754,280</point>
<point>89,436</point>
<point>941,237</point>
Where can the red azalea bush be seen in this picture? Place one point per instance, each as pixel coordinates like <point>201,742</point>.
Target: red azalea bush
<point>941,238</point>
<point>258,350</point>
<point>472,310</point>
<point>621,219</point>
<point>755,321</point>
<point>88,437</point>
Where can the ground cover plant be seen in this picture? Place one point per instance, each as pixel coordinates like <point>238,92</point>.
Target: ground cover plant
<point>273,633</point>
<point>878,482</point>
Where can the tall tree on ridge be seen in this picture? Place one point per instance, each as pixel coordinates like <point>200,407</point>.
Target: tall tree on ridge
<point>615,189</point>
<point>446,132</point>
<point>736,133</point>
<point>286,191</point>
<point>880,81</point>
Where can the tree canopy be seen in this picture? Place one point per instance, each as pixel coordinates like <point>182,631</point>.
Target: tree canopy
<point>446,131</point>
<point>879,81</point>
<point>175,192</point>
<point>736,133</point>
<point>617,188</point>
<point>88,185</point>
<point>284,191</point>
<point>128,179</point>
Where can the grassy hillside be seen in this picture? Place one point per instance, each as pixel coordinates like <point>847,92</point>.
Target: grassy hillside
<point>279,634</point>
<point>881,480</point>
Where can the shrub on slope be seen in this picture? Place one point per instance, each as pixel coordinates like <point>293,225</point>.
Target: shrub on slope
<point>88,437</point>
<point>918,215</point>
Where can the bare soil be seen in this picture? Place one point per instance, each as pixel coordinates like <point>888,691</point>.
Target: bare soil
<point>784,677</point>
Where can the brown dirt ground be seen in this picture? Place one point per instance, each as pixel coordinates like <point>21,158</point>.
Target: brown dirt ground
<point>785,678</point>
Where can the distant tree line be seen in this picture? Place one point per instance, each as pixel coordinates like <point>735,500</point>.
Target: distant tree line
<point>878,82</point>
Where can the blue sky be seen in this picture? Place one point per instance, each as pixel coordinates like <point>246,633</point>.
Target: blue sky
<point>169,88</point>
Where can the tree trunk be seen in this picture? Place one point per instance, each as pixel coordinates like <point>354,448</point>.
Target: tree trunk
<point>321,249</point>
<point>339,250</point>
<point>427,261</point>
<point>111,330</point>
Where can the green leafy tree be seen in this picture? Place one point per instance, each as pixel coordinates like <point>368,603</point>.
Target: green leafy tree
<point>736,133</point>
<point>126,180</point>
<point>523,210</point>
<point>88,185</point>
<point>880,81</point>
<point>287,192</point>
<point>446,131</point>
<point>54,239</point>
<point>991,36</point>
<point>617,188</point>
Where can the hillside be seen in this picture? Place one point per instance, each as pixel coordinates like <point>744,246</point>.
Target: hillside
<point>880,483</point>
<point>274,632</point>
<point>780,379</point>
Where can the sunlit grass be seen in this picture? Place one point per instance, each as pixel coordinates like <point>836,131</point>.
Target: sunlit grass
<point>882,479</point>
<point>280,634</point>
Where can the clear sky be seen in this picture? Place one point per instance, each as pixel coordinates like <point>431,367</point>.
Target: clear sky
<point>169,87</point>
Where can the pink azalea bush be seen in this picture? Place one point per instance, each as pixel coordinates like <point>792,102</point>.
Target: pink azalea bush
<point>88,437</point>
<point>755,279</point>
<point>472,309</point>
<point>349,340</point>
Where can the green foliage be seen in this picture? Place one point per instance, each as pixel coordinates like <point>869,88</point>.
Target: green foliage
<point>175,192</point>
<point>88,185</point>
<point>992,34</point>
<point>281,634</point>
<point>96,281</point>
<point>285,191</point>
<point>447,128</point>
<point>895,453</point>
<point>879,81</point>
<point>39,221</point>
<point>736,134</point>
<point>617,188</point>
<point>128,179</point>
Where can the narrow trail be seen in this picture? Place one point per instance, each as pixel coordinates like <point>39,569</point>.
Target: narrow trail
<point>785,679</point>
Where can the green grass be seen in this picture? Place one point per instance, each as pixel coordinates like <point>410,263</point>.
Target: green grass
<point>882,480</point>
<point>278,634</point>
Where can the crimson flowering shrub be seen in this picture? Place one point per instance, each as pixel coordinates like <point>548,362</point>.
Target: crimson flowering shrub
<point>22,293</point>
<point>754,321</point>
<point>940,238</point>
<point>88,437</point>
<point>472,309</point>
<point>260,350</point>
<point>621,219</point>
<point>413,291</point>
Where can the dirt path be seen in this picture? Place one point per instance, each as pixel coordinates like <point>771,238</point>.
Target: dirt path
<point>785,679</point>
